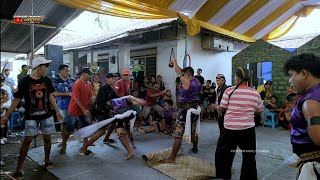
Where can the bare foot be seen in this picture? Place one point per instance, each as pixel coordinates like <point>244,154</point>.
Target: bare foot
<point>140,130</point>
<point>129,156</point>
<point>168,160</point>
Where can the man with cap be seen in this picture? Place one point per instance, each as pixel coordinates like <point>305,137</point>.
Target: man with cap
<point>122,87</point>
<point>37,90</point>
<point>102,111</point>
<point>221,82</point>
<point>265,90</point>
<point>107,104</point>
<point>78,108</point>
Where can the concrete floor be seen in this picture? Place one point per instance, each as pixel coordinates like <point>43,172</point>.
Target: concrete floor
<point>108,163</point>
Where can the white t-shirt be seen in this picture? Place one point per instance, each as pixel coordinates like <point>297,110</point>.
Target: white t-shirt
<point>9,91</point>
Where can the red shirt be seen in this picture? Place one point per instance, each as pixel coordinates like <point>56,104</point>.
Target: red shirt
<point>83,92</point>
<point>152,100</point>
<point>121,89</point>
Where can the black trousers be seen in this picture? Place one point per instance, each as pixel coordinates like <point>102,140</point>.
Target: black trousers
<point>228,142</point>
<point>220,123</point>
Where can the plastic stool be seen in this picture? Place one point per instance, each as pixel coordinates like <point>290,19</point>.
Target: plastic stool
<point>270,119</point>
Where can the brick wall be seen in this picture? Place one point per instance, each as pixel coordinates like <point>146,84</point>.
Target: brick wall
<point>312,46</point>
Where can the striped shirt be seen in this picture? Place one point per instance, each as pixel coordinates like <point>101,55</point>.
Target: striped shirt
<point>240,107</point>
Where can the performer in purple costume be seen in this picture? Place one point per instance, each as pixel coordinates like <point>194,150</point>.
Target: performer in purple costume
<point>189,98</point>
<point>304,72</point>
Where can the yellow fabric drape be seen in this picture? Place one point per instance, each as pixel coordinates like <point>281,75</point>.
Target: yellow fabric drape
<point>158,9</point>
<point>121,8</point>
<point>141,9</point>
<point>285,27</point>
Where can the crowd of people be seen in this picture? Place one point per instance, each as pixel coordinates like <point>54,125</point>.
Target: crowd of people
<point>81,102</point>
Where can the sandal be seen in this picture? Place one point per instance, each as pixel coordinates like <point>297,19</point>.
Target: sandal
<point>17,175</point>
<point>194,150</point>
<point>62,151</point>
<point>48,165</point>
<point>87,153</point>
<point>111,141</point>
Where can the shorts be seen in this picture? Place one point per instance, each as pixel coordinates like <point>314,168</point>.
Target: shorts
<point>66,119</point>
<point>123,125</point>
<point>73,121</point>
<point>205,104</point>
<point>146,110</point>
<point>47,126</point>
<point>181,123</point>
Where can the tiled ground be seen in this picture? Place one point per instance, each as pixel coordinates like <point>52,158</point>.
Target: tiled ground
<point>272,162</point>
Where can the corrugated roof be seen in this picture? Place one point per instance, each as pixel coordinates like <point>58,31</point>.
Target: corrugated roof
<point>293,41</point>
<point>16,38</point>
<point>118,32</point>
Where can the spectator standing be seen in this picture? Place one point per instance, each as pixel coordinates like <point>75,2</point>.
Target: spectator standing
<point>79,104</point>
<point>240,103</point>
<point>24,72</point>
<point>199,77</point>
<point>221,82</point>
<point>63,92</point>
<point>37,90</point>
<point>122,87</point>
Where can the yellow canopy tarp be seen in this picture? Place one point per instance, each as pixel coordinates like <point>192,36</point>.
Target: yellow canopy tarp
<point>245,20</point>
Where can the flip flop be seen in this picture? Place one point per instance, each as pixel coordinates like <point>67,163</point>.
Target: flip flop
<point>62,151</point>
<point>87,153</point>
<point>111,141</point>
<point>48,165</point>
<point>194,150</point>
<point>15,176</point>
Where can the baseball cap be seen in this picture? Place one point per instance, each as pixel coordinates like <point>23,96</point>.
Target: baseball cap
<point>220,76</point>
<point>39,61</point>
<point>268,83</point>
<point>86,70</point>
<point>111,75</point>
<point>126,72</point>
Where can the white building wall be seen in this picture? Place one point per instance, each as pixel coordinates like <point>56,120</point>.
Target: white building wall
<point>112,67</point>
<point>14,66</point>
<point>211,62</point>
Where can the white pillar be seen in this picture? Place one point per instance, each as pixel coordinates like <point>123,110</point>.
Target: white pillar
<point>124,56</point>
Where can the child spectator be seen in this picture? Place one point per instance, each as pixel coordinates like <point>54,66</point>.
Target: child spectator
<point>212,96</point>
<point>273,104</point>
<point>204,98</point>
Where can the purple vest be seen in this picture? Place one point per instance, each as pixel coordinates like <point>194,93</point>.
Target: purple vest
<point>192,94</point>
<point>118,103</point>
<point>168,114</point>
<point>299,130</point>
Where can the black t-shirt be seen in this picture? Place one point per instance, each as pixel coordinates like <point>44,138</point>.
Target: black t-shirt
<point>200,78</point>
<point>212,97</point>
<point>143,94</point>
<point>205,94</point>
<point>36,94</point>
<point>105,94</point>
